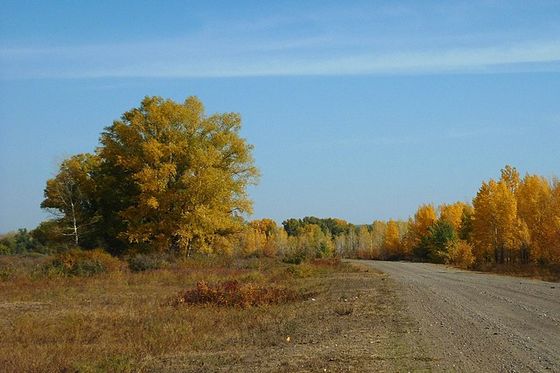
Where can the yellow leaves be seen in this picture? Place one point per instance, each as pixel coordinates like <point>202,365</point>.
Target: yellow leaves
<point>152,202</point>
<point>453,214</point>
<point>391,241</point>
<point>419,226</point>
<point>514,219</point>
<point>182,174</point>
<point>495,219</point>
<point>152,150</point>
<point>424,218</point>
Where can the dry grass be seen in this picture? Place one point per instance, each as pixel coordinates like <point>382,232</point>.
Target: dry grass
<point>123,321</point>
<point>540,272</point>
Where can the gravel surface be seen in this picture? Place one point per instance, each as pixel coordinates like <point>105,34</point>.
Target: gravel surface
<point>477,322</point>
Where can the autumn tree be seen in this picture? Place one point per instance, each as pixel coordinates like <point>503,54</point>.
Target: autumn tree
<point>419,230</point>
<point>495,222</point>
<point>453,214</point>
<point>365,247</point>
<point>71,197</point>
<point>182,174</point>
<point>552,225</point>
<point>263,237</point>
<point>534,195</point>
<point>165,177</point>
<point>391,241</point>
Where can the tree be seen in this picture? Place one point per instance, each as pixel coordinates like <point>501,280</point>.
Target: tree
<point>173,177</point>
<point>19,242</point>
<point>495,224</point>
<point>70,196</point>
<point>292,226</point>
<point>453,214</point>
<point>365,249</point>
<point>165,177</point>
<point>534,195</point>
<point>391,240</point>
<point>378,229</point>
<point>552,225</point>
<point>510,177</point>
<point>419,230</point>
<point>442,237</point>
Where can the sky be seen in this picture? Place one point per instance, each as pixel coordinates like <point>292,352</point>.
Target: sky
<point>357,110</point>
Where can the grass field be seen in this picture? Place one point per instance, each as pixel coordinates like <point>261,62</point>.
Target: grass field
<point>124,321</point>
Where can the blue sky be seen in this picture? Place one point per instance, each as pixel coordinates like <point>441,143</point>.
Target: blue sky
<point>359,110</point>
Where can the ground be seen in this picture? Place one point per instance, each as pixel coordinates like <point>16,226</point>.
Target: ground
<point>368,317</point>
<point>475,322</point>
<point>351,321</point>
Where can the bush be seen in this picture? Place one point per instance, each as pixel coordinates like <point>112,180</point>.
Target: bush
<point>233,293</point>
<point>5,249</point>
<point>143,262</point>
<point>460,254</point>
<point>294,258</point>
<point>78,262</point>
<point>302,270</point>
<point>327,262</point>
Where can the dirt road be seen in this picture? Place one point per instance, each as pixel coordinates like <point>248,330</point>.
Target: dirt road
<point>477,322</point>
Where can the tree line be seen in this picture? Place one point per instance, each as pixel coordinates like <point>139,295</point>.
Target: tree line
<point>513,220</point>
<point>168,178</point>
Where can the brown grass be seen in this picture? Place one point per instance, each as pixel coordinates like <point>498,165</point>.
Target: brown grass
<point>540,272</point>
<point>122,321</point>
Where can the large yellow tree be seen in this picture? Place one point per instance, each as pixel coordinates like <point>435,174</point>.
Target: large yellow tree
<point>496,227</point>
<point>167,177</point>
<point>534,196</point>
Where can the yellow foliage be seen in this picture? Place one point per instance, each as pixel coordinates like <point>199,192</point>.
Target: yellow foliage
<point>453,213</point>
<point>391,241</point>
<point>461,254</point>
<point>419,226</point>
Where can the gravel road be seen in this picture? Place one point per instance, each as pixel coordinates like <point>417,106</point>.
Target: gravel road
<point>477,322</point>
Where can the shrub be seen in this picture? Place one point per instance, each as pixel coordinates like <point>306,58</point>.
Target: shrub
<point>460,254</point>
<point>327,262</point>
<point>143,262</point>
<point>233,293</point>
<point>294,258</point>
<point>5,249</point>
<point>77,262</point>
<point>302,270</point>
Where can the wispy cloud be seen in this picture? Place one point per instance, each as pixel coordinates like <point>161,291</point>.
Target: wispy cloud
<point>184,59</point>
<point>345,40</point>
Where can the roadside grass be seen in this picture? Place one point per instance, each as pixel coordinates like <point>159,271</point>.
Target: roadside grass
<point>126,321</point>
<point>539,272</point>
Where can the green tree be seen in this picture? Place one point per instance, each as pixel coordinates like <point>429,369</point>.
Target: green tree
<point>441,239</point>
